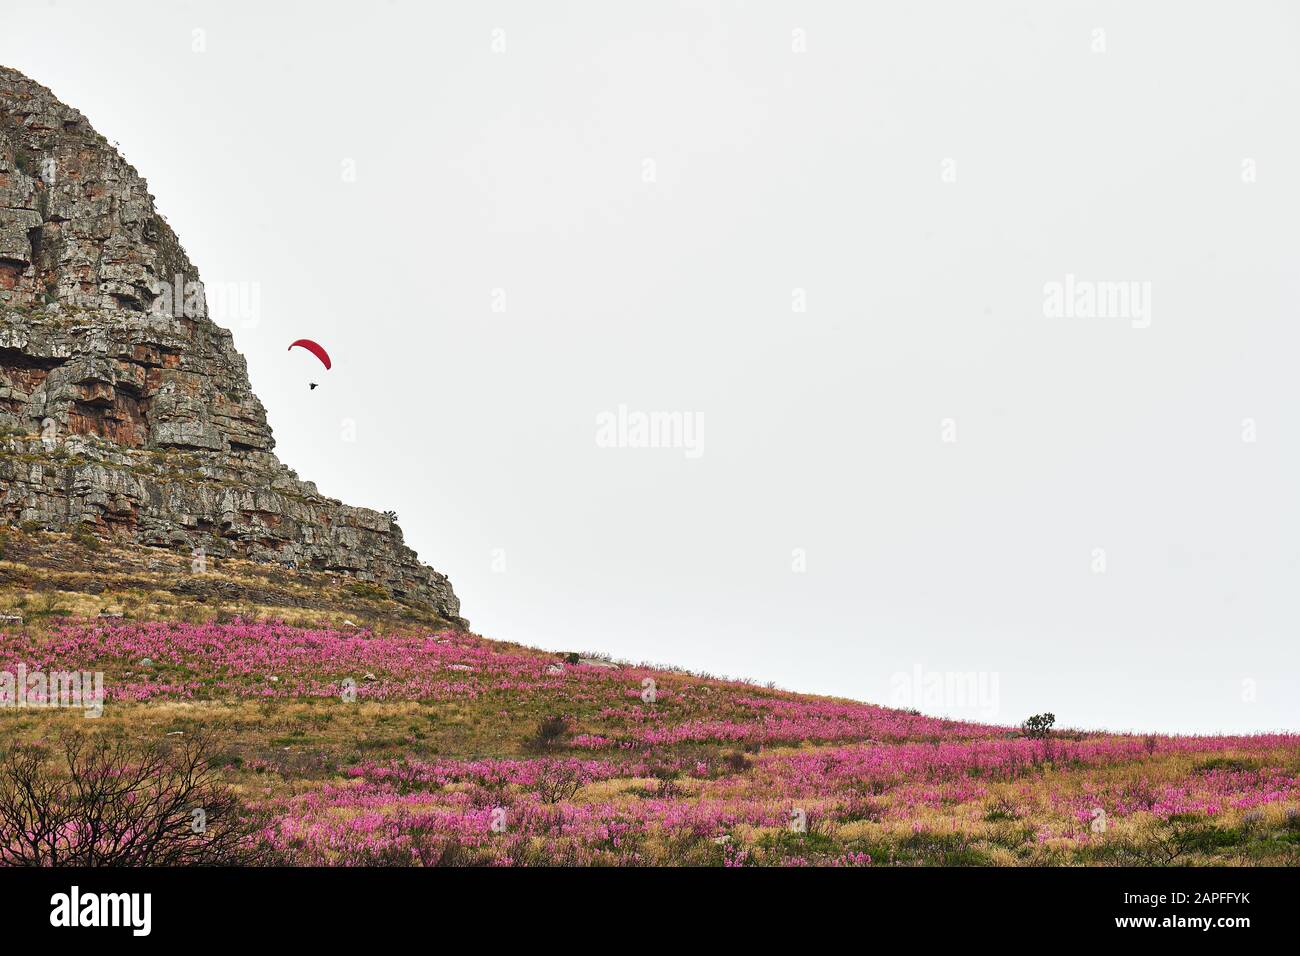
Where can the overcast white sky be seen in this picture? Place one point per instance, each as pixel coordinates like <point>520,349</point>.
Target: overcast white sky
<point>643,188</point>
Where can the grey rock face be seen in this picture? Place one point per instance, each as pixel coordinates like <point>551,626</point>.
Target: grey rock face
<point>124,409</point>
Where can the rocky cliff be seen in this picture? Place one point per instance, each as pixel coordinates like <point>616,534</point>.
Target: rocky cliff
<point>124,410</point>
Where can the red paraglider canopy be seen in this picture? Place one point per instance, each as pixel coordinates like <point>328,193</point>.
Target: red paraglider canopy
<point>314,349</point>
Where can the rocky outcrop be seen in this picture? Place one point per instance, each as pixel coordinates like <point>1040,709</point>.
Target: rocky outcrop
<point>124,410</point>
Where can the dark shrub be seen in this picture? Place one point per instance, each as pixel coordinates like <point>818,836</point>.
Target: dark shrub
<point>1000,810</point>
<point>1039,726</point>
<point>736,762</point>
<point>551,732</point>
<point>1225,765</point>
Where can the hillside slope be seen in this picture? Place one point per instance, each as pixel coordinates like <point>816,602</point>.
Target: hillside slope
<point>402,744</point>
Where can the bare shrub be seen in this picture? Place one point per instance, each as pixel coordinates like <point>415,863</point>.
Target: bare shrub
<point>1175,840</point>
<point>557,782</point>
<point>49,604</point>
<point>97,802</point>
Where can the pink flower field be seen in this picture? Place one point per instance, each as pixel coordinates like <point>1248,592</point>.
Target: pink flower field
<point>357,748</point>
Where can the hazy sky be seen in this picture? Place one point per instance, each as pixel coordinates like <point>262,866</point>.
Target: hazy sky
<point>849,246</point>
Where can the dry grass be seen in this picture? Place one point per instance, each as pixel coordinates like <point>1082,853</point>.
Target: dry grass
<point>149,584</point>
